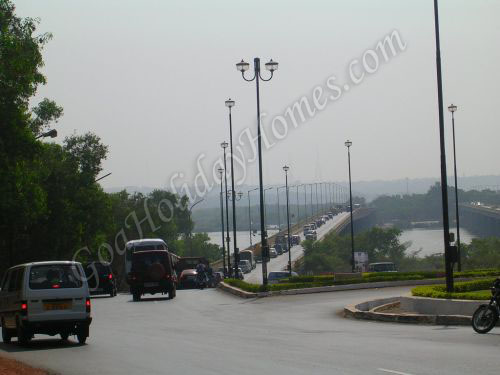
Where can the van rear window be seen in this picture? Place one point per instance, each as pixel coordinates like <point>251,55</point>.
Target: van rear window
<point>55,276</point>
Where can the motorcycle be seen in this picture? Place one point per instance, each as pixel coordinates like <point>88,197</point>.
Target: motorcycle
<point>202,280</point>
<point>486,316</point>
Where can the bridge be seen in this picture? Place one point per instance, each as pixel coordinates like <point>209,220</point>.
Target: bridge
<point>481,219</point>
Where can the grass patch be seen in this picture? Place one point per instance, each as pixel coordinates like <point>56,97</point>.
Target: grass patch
<point>469,290</point>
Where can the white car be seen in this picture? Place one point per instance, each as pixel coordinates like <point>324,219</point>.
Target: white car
<point>273,253</point>
<point>45,298</point>
<point>245,266</point>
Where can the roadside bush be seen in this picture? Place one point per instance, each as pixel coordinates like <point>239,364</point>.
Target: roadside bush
<point>470,290</point>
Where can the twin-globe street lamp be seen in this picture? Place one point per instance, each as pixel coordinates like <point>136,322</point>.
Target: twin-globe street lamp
<point>348,144</point>
<point>453,108</point>
<point>286,168</point>
<point>243,67</point>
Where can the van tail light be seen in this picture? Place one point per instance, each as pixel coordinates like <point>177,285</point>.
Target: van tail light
<point>110,276</point>
<point>24,308</point>
<point>87,305</point>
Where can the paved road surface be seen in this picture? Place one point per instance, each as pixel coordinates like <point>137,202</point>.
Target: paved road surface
<point>209,332</point>
<point>281,262</point>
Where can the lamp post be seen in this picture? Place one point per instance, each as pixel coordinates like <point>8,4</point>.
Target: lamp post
<point>250,216</point>
<point>348,144</point>
<point>230,104</point>
<point>190,230</point>
<point>265,208</point>
<point>448,256</point>
<point>286,168</point>
<point>452,108</point>
<point>228,239</point>
<point>52,133</point>
<point>298,203</point>
<point>271,66</point>
<point>221,171</point>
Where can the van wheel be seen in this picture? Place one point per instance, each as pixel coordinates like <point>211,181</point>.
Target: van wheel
<point>136,297</point>
<point>82,333</point>
<point>6,337</point>
<point>64,336</point>
<point>23,336</point>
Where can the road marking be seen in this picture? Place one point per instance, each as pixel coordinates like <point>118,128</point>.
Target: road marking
<point>393,372</point>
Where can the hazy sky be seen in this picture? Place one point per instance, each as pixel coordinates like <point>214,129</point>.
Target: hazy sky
<point>151,77</point>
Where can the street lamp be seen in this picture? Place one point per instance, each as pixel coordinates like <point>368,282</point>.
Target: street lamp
<point>52,133</point>
<point>286,168</point>
<point>271,66</point>
<point>448,255</point>
<point>250,216</point>
<point>230,104</point>
<point>348,144</point>
<point>221,170</point>
<point>265,208</point>
<point>228,239</point>
<point>452,108</point>
<point>190,230</point>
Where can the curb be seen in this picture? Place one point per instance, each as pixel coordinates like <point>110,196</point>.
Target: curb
<point>237,291</point>
<point>375,314</point>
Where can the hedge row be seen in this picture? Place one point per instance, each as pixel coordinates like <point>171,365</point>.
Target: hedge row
<point>302,282</point>
<point>470,290</point>
<point>393,276</point>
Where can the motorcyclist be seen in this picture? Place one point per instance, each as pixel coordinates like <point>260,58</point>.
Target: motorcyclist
<point>201,273</point>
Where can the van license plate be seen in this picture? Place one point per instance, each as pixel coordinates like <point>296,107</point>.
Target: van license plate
<point>147,285</point>
<point>57,306</point>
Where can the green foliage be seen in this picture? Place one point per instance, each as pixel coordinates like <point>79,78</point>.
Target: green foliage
<point>470,290</point>
<point>333,253</point>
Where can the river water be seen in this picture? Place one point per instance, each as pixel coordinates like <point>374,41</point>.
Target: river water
<point>429,241</point>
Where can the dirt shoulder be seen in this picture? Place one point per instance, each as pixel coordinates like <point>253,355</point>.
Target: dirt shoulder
<point>12,367</point>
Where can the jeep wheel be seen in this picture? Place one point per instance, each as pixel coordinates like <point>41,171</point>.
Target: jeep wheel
<point>172,293</point>
<point>64,336</point>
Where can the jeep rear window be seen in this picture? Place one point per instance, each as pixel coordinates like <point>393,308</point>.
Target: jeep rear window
<point>55,276</point>
<point>142,261</point>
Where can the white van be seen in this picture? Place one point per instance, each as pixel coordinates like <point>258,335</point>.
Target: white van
<point>45,298</point>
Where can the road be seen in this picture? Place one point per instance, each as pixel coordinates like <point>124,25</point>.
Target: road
<point>281,262</point>
<point>209,332</point>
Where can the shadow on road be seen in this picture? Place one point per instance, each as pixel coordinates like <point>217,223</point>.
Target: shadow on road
<point>153,299</point>
<point>39,344</point>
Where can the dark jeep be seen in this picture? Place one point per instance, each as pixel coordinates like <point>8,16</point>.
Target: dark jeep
<point>152,273</point>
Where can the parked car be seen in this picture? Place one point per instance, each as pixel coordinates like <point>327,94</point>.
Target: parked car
<point>272,253</point>
<point>276,276</point>
<point>382,267</point>
<point>187,279</point>
<point>311,235</point>
<point>278,248</point>
<point>50,298</point>
<point>245,266</point>
<point>100,278</point>
<point>152,273</point>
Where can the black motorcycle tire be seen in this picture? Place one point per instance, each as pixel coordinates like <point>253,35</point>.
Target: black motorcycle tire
<point>484,318</point>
